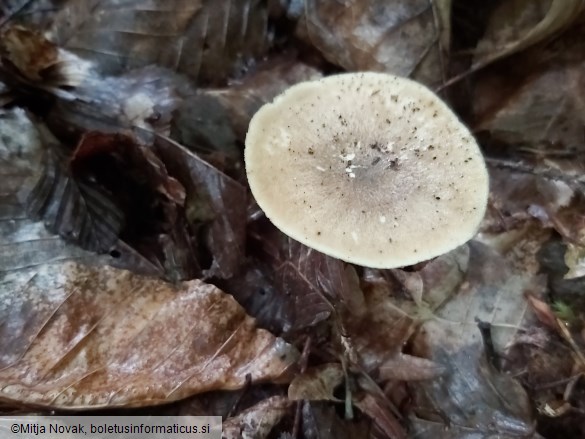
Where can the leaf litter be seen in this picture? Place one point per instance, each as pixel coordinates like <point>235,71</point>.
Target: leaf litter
<point>121,146</point>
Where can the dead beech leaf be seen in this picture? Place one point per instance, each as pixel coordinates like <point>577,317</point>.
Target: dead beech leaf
<point>24,243</point>
<point>535,102</point>
<point>519,24</point>
<point>10,7</point>
<point>379,334</point>
<point>471,393</point>
<point>288,286</point>
<point>85,337</point>
<point>436,429</point>
<point>112,193</point>
<point>215,206</point>
<point>543,311</point>
<point>257,421</point>
<point>401,37</point>
<point>74,209</point>
<point>207,40</point>
<point>216,120</point>
<point>28,52</point>
<point>28,58</point>
<point>317,383</point>
<point>378,410</point>
<point>405,367</point>
<point>144,98</point>
<point>96,145</point>
<point>535,193</point>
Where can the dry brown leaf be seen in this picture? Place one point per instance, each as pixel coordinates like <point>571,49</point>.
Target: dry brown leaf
<point>29,59</point>
<point>398,36</point>
<point>405,367</point>
<point>379,412</point>
<point>28,52</point>
<point>379,334</point>
<point>257,421</point>
<point>317,383</point>
<point>77,336</point>
<point>543,312</point>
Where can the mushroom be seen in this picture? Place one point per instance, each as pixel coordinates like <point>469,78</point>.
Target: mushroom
<point>369,168</point>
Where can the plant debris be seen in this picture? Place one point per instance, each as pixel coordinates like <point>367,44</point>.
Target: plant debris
<point>136,269</point>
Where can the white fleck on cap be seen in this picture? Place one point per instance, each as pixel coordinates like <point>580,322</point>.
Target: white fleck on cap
<point>367,167</point>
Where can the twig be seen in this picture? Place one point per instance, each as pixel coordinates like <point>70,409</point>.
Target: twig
<point>545,173</point>
<point>303,361</point>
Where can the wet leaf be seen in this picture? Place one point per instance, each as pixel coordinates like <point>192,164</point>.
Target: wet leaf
<point>215,207</point>
<point>471,393</point>
<point>209,41</point>
<point>543,311</point>
<point>534,102</point>
<point>216,120</point>
<point>114,189</point>
<point>24,243</point>
<point>73,209</point>
<point>400,37</point>
<point>10,7</point>
<point>256,422</point>
<point>20,148</point>
<point>520,194</point>
<point>289,286</point>
<point>424,429</point>
<point>144,98</point>
<point>519,24</point>
<point>95,145</point>
<point>85,337</point>
<point>379,334</point>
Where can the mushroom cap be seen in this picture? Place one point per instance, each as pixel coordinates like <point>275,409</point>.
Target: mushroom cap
<point>369,168</point>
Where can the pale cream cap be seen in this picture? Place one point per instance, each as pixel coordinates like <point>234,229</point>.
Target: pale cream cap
<point>369,168</point>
